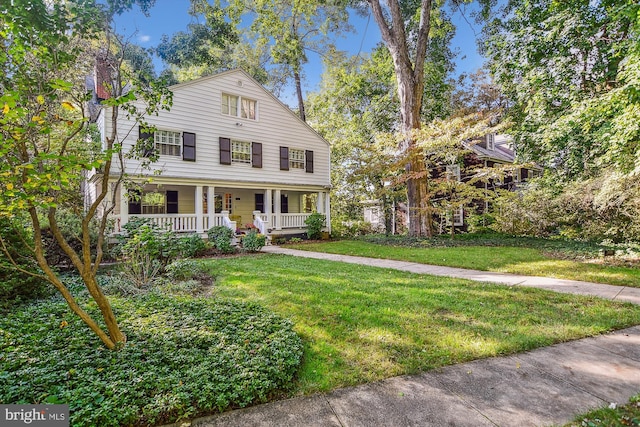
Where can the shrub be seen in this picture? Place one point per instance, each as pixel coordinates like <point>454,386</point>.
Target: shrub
<point>221,237</point>
<point>70,225</point>
<point>253,241</point>
<point>191,245</point>
<point>184,357</point>
<point>350,228</point>
<point>186,276</point>
<point>314,223</point>
<point>16,286</point>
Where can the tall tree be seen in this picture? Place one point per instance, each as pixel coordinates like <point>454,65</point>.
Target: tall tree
<point>204,48</point>
<point>292,28</point>
<point>48,49</point>
<point>568,70</point>
<point>406,29</point>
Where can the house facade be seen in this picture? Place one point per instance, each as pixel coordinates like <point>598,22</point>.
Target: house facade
<point>490,151</point>
<point>229,153</point>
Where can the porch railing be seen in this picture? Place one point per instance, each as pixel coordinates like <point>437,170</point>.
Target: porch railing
<point>293,220</point>
<point>260,221</point>
<point>182,223</point>
<point>188,223</point>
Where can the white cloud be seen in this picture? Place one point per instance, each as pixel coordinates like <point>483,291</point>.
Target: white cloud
<point>144,38</point>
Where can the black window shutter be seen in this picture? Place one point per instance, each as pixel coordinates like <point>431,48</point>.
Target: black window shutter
<point>284,203</point>
<point>189,146</point>
<point>256,154</point>
<point>146,142</point>
<point>135,202</point>
<point>172,202</point>
<point>225,151</point>
<point>308,161</point>
<point>259,198</point>
<point>284,158</point>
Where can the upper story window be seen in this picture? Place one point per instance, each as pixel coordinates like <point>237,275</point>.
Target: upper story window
<point>167,142</point>
<point>292,158</point>
<point>296,159</point>
<point>491,141</point>
<point>238,106</point>
<point>229,105</point>
<point>240,152</point>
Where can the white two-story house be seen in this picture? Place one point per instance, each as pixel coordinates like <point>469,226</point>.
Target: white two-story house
<point>230,153</point>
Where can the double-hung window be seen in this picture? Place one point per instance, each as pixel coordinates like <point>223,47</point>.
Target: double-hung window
<point>153,203</point>
<point>230,105</point>
<point>167,142</point>
<point>296,159</point>
<point>240,152</point>
<point>239,106</point>
<point>248,110</point>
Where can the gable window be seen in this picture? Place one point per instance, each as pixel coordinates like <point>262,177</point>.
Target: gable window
<point>296,159</point>
<point>229,105</point>
<point>240,152</point>
<point>248,110</point>
<point>491,141</point>
<point>167,142</point>
<point>238,106</point>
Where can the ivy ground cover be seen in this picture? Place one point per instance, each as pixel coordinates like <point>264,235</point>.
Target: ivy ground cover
<point>184,357</point>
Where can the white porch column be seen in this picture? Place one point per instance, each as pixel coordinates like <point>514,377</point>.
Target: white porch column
<point>276,204</point>
<point>327,210</point>
<point>268,203</point>
<point>198,207</point>
<point>124,208</point>
<point>320,202</point>
<point>211,205</point>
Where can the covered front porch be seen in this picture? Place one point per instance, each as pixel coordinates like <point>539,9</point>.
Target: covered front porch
<point>196,208</point>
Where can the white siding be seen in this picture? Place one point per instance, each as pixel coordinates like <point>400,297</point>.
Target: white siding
<point>197,108</point>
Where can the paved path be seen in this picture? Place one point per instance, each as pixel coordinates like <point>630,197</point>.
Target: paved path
<point>547,386</point>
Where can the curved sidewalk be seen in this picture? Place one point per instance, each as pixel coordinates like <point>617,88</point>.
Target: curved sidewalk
<point>546,386</point>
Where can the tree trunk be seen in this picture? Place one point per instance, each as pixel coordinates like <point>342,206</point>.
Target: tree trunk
<point>301,112</point>
<point>410,80</point>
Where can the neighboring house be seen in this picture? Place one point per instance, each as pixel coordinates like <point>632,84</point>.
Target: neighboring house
<point>493,150</point>
<point>490,151</point>
<point>230,153</point>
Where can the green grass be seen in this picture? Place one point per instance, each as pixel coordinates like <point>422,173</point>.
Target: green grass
<point>503,259</point>
<point>361,324</point>
<point>621,415</point>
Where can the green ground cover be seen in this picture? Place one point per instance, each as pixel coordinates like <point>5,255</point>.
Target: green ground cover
<point>184,357</point>
<point>361,324</point>
<point>548,261</point>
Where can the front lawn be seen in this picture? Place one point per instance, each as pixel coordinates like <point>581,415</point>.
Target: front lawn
<point>530,261</point>
<point>361,324</point>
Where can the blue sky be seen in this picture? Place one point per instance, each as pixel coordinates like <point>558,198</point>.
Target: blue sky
<point>170,16</point>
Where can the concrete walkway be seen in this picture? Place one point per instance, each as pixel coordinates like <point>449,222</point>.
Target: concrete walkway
<point>547,386</point>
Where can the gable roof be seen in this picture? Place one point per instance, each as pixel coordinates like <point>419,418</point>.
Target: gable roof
<point>502,151</point>
<point>244,74</point>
